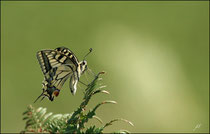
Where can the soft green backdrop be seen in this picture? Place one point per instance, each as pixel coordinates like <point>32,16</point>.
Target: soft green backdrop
<point>156,55</point>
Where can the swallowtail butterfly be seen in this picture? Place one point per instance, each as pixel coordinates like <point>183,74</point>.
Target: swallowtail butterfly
<point>57,66</point>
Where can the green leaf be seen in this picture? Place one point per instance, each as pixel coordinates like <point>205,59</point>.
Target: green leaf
<point>25,118</point>
<point>41,112</point>
<point>98,119</point>
<point>45,117</point>
<point>100,91</point>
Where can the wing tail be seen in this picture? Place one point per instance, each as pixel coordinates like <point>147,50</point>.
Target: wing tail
<point>39,97</point>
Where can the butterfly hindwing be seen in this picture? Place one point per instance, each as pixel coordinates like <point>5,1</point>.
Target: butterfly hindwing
<point>58,76</point>
<point>54,80</point>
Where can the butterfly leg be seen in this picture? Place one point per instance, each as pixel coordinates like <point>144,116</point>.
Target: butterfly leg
<point>86,76</point>
<point>83,83</point>
<point>89,70</point>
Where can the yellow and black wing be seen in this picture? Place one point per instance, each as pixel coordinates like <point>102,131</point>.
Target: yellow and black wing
<point>57,66</point>
<point>54,80</point>
<point>49,59</point>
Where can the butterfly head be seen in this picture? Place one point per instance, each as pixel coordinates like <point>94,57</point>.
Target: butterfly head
<point>83,66</point>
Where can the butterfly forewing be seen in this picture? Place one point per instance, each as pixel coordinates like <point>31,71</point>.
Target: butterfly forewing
<point>49,59</point>
<point>65,51</point>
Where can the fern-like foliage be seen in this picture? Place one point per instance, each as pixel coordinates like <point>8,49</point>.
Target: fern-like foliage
<point>39,121</point>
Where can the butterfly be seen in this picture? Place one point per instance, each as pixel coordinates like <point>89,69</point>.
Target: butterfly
<point>57,66</point>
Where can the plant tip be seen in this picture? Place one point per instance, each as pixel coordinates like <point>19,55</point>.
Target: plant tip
<point>102,72</point>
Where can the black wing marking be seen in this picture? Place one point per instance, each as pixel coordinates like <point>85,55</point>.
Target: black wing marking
<point>58,76</point>
<point>69,53</point>
<point>54,80</point>
<point>49,59</point>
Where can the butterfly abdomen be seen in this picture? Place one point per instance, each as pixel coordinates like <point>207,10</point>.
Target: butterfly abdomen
<point>50,91</point>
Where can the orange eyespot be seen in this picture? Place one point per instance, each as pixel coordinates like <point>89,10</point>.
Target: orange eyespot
<point>56,93</point>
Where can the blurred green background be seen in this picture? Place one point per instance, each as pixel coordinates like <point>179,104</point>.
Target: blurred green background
<point>156,55</point>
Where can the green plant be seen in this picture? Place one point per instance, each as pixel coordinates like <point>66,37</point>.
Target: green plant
<point>38,121</point>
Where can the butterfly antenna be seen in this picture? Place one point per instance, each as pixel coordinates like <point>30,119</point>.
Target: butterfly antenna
<point>90,50</point>
<point>38,97</point>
